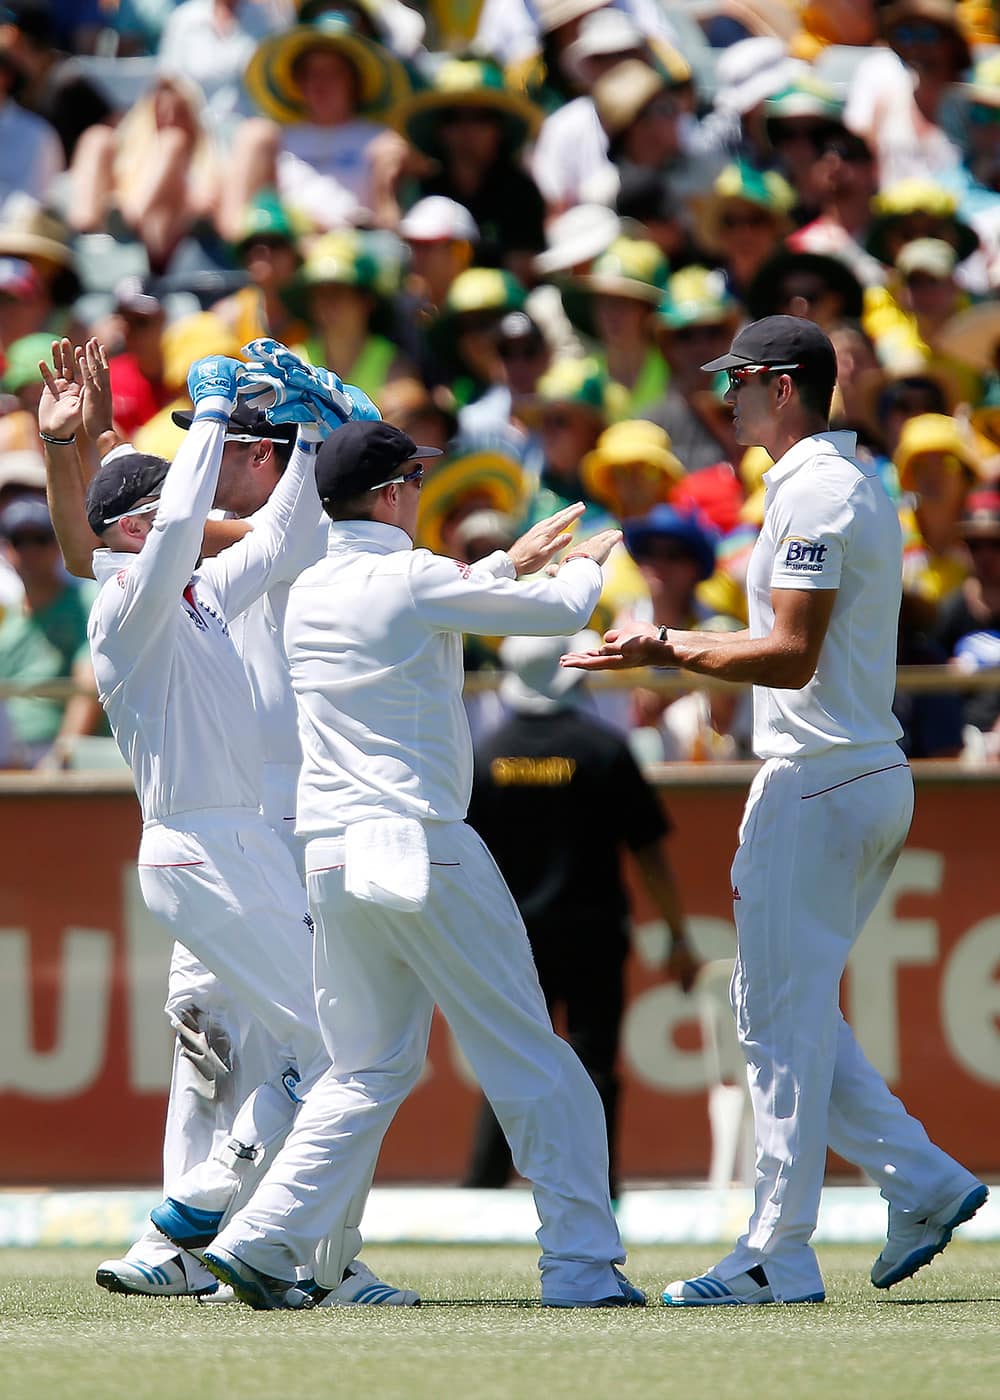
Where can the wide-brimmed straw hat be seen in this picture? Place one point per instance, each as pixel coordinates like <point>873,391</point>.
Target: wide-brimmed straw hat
<point>932,433</point>
<point>743,184</point>
<point>623,444</point>
<point>475,291</point>
<point>472,83</point>
<point>485,471</point>
<point>972,336</point>
<point>270,81</point>
<point>633,268</point>
<point>621,94</point>
<point>36,234</point>
<point>343,259</point>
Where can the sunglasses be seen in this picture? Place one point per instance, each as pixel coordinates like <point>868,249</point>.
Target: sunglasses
<point>916,34</point>
<point>742,374</point>
<point>662,552</point>
<point>684,335</point>
<point>147,508</point>
<point>990,545</point>
<point>521,349</point>
<point>851,152</point>
<point>31,537</point>
<point>745,218</point>
<point>415,475</point>
<point>810,293</point>
<point>468,116</point>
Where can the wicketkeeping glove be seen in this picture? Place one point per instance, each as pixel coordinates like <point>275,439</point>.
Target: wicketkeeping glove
<point>214,377</point>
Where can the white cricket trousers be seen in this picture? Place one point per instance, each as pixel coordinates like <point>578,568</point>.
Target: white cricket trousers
<point>225,879</point>
<point>379,973</point>
<point>818,842</point>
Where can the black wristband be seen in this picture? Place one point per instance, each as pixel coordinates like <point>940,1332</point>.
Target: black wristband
<point>57,442</point>
<point>661,634</point>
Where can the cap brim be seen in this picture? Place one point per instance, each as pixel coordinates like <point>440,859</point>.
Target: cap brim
<point>424,452</point>
<point>729,361</point>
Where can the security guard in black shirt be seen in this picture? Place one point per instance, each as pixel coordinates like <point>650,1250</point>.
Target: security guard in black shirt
<point>556,796</point>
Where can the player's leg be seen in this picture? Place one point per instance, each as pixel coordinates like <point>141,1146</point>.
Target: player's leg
<point>473,956</point>
<point>376,1019</point>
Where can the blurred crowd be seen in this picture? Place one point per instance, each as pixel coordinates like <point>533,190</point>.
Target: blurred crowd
<point>521,226</point>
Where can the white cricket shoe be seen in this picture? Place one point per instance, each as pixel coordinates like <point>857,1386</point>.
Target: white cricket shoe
<point>914,1240</point>
<point>166,1280</point>
<point>709,1291</point>
<point>359,1287</point>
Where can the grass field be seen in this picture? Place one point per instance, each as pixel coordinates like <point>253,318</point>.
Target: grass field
<point>936,1335</point>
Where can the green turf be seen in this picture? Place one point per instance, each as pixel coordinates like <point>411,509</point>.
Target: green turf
<point>936,1335</point>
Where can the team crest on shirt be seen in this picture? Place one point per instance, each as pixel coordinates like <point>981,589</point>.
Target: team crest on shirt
<point>803,556</point>
<point>464,569</point>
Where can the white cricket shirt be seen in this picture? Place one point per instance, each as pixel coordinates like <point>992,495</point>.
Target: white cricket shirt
<point>169,677</point>
<point>828,523</point>
<point>373,634</point>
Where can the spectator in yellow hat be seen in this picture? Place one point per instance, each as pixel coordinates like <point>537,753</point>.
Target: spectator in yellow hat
<point>937,468</point>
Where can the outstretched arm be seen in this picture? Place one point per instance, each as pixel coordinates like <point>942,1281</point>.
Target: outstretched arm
<point>785,659</point>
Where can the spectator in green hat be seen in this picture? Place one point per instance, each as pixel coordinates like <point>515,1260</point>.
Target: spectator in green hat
<point>696,316</point>
<point>799,122</point>
<point>268,249</point>
<point>463,337</point>
<point>474,127</point>
<point>611,304</point>
<point>742,219</point>
<point>342,292</point>
<point>573,402</point>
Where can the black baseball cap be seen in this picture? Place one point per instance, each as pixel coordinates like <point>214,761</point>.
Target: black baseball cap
<point>360,456</point>
<point>783,340</point>
<point>245,425</point>
<point>123,478</point>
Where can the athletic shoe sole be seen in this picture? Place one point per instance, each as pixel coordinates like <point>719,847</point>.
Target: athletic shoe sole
<point>917,1258</point>
<point>108,1280</point>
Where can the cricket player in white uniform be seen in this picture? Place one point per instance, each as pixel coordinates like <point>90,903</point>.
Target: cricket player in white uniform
<point>410,909</point>
<point>825,820</point>
<point>179,703</point>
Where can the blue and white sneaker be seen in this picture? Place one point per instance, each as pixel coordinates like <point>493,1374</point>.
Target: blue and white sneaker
<point>262,1292</point>
<point>359,1286</point>
<point>186,1226</point>
<point>709,1291</point>
<point>628,1296</point>
<point>166,1280</point>
<point>913,1241</point>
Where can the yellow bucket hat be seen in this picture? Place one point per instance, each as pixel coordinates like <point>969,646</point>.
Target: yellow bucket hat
<point>269,78</point>
<point>933,432</point>
<point>623,444</point>
<point>480,477</point>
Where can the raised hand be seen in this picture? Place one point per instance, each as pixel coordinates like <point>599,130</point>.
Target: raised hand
<point>599,546</point>
<point>539,545</point>
<point>60,409</point>
<point>94,374</point>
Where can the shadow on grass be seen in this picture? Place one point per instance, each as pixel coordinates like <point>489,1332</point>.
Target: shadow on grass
<point>930,1302</point>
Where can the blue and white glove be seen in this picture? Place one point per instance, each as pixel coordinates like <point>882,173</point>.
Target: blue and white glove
<point>315,398</point>
<point>213,384</point>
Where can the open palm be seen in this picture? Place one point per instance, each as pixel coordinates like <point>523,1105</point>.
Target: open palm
<point>60,409</point>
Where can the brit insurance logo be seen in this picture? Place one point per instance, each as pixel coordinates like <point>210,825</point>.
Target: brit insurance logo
<point>803,556</point>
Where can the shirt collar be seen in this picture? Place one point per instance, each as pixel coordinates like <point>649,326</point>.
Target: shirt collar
<point>370,536</point>
<point>843,444</point>
<point>109,561</point>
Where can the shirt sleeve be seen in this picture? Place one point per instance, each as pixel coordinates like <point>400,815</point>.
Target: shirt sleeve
<point>450,596</point>
<point>811,532</point>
